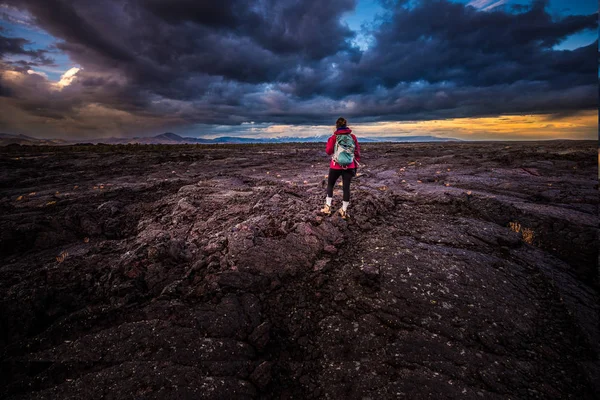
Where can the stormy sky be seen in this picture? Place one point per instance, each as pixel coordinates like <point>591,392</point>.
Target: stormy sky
<point>478,69</point>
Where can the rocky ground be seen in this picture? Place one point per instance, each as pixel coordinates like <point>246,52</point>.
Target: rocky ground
<point>467,270</point>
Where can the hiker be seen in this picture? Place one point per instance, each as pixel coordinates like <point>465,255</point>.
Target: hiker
<point>345,152</point>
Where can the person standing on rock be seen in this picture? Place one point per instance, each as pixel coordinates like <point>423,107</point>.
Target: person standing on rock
<point>344,150</point>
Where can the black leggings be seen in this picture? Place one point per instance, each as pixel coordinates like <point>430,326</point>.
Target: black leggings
<point>334,174</point>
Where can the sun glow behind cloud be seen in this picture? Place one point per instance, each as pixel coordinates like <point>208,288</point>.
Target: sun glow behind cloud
<point>31,72</point>
<point>67,78</point>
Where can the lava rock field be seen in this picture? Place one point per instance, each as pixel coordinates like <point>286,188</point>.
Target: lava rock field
<point>466,270</point>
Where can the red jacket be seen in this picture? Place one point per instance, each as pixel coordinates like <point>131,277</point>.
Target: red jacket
<point>331,146</point>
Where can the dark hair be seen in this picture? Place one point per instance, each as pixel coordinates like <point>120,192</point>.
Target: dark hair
<point>340,122</point>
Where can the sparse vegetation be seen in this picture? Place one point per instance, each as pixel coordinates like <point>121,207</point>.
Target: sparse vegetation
<point>62,256</point>
<point>527,235</point>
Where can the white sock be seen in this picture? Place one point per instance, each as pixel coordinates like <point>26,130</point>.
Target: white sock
<point>345,205</point>
<point>328,200</point>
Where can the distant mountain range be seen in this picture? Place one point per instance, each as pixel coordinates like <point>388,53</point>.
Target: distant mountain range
<point>172,138</point>
<point>7,138</point>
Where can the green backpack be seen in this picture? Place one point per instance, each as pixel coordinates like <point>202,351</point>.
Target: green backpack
<point>343,153</point>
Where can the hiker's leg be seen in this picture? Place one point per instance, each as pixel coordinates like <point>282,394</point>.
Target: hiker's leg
<point>346,179</point>
<point>334,174</point>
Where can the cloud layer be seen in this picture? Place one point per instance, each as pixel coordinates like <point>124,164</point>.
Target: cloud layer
<point>149,65</point>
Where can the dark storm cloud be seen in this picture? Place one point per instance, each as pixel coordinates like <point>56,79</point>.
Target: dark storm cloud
<point>16,46</point>
<point>310,27</point>
<point>64,21</point>
<point>224,13</point>
<point>441,59</point>
<point>440,41</point>
<point>291,61</point>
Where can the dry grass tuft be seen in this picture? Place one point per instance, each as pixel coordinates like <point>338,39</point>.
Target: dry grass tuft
<point>526,233</point>
<point>62,256</point>
<point>515,226</point>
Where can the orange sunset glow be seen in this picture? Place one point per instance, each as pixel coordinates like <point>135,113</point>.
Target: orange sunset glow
<point>584,125</point>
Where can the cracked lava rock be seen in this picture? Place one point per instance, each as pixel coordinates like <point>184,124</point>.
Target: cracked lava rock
<point>466,270</point>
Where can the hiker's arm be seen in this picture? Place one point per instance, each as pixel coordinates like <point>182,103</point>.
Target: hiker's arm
<point>356,150</point>
<point>330,144</point>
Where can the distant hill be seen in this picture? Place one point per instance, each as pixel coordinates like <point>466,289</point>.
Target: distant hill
<point>173,138</point>
<point>24,140</point>
<point>169,136</point>
<point>11,136</point>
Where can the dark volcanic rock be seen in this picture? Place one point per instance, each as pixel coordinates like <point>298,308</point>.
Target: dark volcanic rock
<point>260,336</point>
<point>261,376</point>
<point>370,275</point>
<point>466,270</point>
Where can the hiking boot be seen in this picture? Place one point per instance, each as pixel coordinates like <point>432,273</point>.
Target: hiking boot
<point>326,210</point>
<point>343,214</point>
